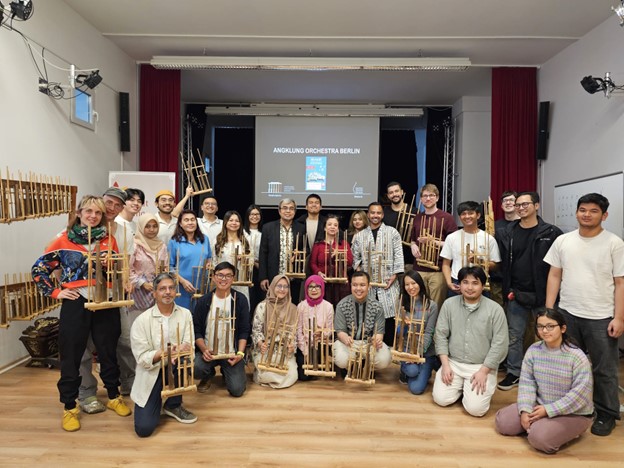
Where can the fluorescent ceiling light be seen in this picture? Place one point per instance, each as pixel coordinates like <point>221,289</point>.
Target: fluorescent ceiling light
<point>310,63</point>
<point>315,110</point>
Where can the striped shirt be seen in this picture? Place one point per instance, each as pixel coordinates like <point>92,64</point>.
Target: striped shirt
<point>559,379</point>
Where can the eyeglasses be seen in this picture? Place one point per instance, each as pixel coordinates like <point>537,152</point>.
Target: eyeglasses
<point>287,208</point>
<point>314,286</point>
<point>222,277</point>
<point>432,195</point>
<point>523,205</point>
<point>550,327</point>
<point>283,287</point>
<point>508,200</point>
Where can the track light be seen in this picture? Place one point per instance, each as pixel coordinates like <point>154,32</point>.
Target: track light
<point>91,80</point>
<point>21,9</point>
<point>606,85</point>
<point>619,11</point>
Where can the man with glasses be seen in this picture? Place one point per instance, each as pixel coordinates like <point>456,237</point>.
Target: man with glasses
<point>523,245</point>
<point>277,243</point>
<point>508,205</point>
<point>226,303</point>
<point>587,271</point>
<point>444,225</point>
<point>176,324</point>
<point>210,224</point>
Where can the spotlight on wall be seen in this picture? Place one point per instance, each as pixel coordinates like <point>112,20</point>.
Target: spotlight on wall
<point>619,11</point>
<point>22,9</point>
<point>606,85</point>
<point>91,80</point>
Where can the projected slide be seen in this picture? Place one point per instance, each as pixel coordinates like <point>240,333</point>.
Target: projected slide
<point>335,157</point>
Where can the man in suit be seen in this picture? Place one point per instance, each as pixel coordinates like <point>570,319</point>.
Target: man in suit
<point>278,239</point>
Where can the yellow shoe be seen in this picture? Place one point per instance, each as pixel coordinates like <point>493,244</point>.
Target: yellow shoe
<point>118,406</point>
<point>71,423</point>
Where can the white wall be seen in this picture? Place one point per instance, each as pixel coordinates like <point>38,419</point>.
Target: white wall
<point>36,134</point>
<point>473,128</point>
<point>586,131</point>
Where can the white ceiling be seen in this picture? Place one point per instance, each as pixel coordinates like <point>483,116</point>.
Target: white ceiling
<point>489,32</point>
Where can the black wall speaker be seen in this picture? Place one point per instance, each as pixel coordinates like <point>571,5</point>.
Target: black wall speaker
<point>124,122</point>
<point>542,130</point>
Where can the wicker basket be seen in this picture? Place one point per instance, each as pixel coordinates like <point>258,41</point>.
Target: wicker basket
<point>41,346</point>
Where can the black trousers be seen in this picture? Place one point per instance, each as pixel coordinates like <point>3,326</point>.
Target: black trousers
<point>76,323</point>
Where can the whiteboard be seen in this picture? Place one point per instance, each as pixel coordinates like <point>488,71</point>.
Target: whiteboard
<point>567,195</point>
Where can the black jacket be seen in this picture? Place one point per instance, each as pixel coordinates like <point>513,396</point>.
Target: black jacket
<point>320,230</point>
<point>243,321</point>
<point>542,241</point>
<point>270,248</point>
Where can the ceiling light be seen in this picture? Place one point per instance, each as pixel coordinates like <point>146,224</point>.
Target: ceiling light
<point>309,63</point>
<point>606,85</point>
<point>91,80</point>
<point>315,110</point>
<point>619,11</point>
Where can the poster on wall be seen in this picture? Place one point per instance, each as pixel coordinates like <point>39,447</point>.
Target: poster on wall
<point>150,182</point>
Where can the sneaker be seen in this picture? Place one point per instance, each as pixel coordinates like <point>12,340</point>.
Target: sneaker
<point>118,406</point>
<point>180,414</point>
<point>603,425</point>
<point>71,423</point>
<point>91,405</point>
<point>510,381</point>
<point>403,378</point>
<point>204,385</point>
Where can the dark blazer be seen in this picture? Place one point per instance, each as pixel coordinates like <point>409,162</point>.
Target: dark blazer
<point>320,230</point>
<point>243,321</point>
<point>270,248</point>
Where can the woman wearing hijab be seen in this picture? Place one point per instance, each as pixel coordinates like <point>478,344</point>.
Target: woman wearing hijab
<point>148,259</point>
<point>313,306</point>
<point>277,311</point>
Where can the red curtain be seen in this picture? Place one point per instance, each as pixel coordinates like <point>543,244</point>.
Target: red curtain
<point>514,131</point>
<point>159,119</point>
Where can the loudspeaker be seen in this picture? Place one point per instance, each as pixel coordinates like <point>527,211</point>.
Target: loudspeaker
<point>124,122</point>
<point>542,130</point>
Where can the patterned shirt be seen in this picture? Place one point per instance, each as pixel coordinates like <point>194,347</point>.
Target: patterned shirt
<point>286,243</point>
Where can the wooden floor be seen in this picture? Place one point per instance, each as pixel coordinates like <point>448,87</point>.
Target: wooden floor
<point>320,423</point>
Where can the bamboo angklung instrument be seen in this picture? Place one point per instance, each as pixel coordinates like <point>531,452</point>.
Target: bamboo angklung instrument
<point>182,380</point>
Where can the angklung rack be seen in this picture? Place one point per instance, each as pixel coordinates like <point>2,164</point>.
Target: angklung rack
<point>375,267</point>
<point>223,325</point>
<point>405,221</point>
<point>196,175</point>
<point>429,243</point>
<point>361,363</point>
<point>244,268</point>
<point>181,379</point>
<point>410,331</point>
<point>296,267</point>
<point>202,276</point>
<point>473,255</point>
<point>336,262</point>
<point>280,334</point>
<point>318,361</point>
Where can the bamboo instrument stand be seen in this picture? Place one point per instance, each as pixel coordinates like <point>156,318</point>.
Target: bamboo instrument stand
<point>244,269</point>
<point>202,276</point>
<point>183,381</point>
<point>336,262</point>
<point>361,363</point>
<point>409,339</point>
<point>279,335</point>
<point>429,243</point>
<point>224,324</point>
<point>34,197</point>
<point>319,361</point>
<point>196,174</point>
<point>488,210</point>
<point>375,265</point>
<point>297,260</point>
<point>477,256</point>
<point>405,221</point>
<point>112,275</point>
<point>20,300</point>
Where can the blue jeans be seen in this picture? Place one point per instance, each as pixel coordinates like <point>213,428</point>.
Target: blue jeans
<point>593,338</point>
<point>146,418</point>
<point>517,317</point>
<point>234,376</point>
<point>418,374</point>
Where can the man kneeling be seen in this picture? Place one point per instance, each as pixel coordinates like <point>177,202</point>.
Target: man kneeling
<point>163,319</point>
<point>471,340</point>
<point>358,318</point>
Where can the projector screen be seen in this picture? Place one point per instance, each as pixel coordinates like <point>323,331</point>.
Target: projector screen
<point>334,157</point>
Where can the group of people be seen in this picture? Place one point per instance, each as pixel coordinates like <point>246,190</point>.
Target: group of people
<point>566,288</point>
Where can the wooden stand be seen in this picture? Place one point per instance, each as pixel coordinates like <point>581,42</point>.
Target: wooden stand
<point>196,174</point>
<point>319,361</point>
<point>361,363</point>
<point>429,243</point>
<point>279,335</point>
<point>409,339</point>
<point>476,256</point>
<point>112,275</point>
<point>336,263</point>
<point>405,221</point>
<point>297,260</point>
<point>185,367</point>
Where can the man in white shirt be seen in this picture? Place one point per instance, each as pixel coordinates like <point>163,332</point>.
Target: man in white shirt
<point>587,272</point>
<point>168,212</point>
<point>125,220</point>
<point>210,224</point>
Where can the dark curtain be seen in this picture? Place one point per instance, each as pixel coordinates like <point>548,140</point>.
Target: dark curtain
<point>514,131</point>
<point>159,111</point>
<point>397,162</point>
